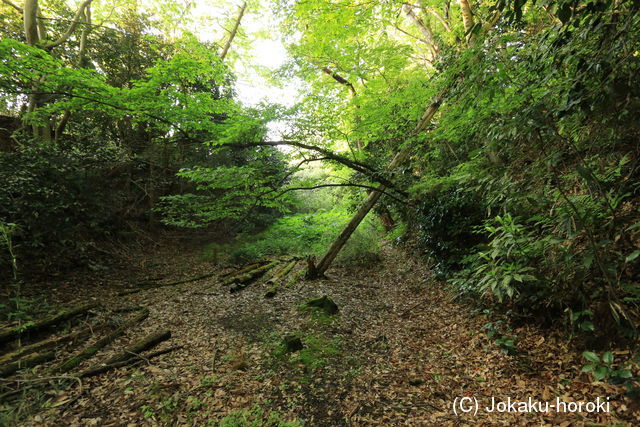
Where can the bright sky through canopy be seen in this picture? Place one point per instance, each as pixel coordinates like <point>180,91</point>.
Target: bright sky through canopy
<point>257,42</point>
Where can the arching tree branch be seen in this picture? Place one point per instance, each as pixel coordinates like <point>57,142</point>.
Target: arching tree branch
<point>363,168</point>
<point>76,19</point>
<point>344,184</point>
<point>424,29</point>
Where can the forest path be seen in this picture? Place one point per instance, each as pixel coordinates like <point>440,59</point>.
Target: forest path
<point>399,352</point>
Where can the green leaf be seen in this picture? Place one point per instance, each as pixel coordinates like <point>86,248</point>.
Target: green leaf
<point>635,254</point>
<point>607,358</point>
<point>591,356</point>
<point>600,373</point>
<point>622,373</point>
<point>587,326</point>
<point>588,368</point>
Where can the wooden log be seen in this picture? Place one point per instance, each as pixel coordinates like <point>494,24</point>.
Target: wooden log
<point>296,277</point>
<point>89,351</point>
<point>121,310</point>
<point>251,274</point>
<point>37,359</point>
<point>246,269</point>
<point>282,273</point>
<point>164,285</point>
<point>9,334</point>
<point>244,280</point>
<point>75,337</point>
<point>136,359</point>
<point>277,278</point>
<point>144,344</point>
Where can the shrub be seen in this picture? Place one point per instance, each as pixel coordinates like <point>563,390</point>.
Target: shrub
<point>445,221</point>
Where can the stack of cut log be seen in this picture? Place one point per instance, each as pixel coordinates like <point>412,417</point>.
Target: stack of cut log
<point>272,273</point>
<point>44,343</point>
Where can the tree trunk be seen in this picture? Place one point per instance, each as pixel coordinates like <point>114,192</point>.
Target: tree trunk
<point>30,20</point>
<point>35,35</point>
<point>467,17</point>
<point>314,271</point>
<point>234,31</point>
<point>82,62</point>
<point>424,29</point>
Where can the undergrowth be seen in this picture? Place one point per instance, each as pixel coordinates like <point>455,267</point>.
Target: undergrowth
<point>304,234</point>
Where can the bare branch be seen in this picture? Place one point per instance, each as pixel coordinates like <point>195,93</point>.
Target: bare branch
<point>440,18</point>
<point>424,29</point>
<point>397,27</point>
<point>363,168</point>
<point>346,184</point>
<point>339,79</point>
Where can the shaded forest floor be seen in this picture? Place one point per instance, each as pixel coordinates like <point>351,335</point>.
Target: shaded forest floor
<point>399,351</point>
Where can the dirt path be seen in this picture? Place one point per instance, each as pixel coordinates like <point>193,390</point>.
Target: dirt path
<point>398,353</point>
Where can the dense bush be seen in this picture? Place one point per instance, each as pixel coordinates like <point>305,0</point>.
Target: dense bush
<point>538,146</point>
<point>56,198</point>
<point>445,222</point>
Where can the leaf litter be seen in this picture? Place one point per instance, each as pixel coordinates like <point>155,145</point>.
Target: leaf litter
<point>399,351</point>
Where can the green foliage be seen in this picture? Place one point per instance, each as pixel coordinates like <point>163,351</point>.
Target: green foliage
<point>317,352</point>
<point>310,234</point>
<point>603,368</point>
<point>256,417</point>
<point>54,196</point>
<point>227,192</point>
<point>505,342</point>
<point>445,219</point>
<point>23,309</point>
<point>505,269</point>
<point>539,131</point>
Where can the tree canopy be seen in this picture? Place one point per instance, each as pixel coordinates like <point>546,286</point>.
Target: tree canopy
<point>500,135</point>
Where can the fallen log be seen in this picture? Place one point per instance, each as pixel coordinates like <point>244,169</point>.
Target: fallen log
<point>282,273</point>
<point>121,310</point>
<point>296,277</point>
<point>136,359</point>
<point>251,275</point>
<point>277,278</point>
<point>144,344</point>
<point>246,269</point>
<point>75,337</point>
<point>246,279</point>
<point>89,351</point>
<point>164,285</point>
<point>13,367</point>
<point>9,334</point>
